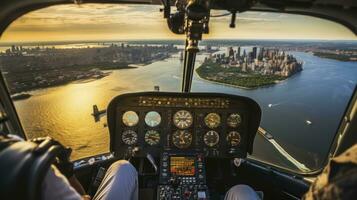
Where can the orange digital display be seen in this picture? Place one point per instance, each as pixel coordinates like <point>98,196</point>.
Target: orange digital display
<point>182,166</point>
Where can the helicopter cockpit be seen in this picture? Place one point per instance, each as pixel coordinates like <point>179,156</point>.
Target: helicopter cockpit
<point>186,143</point>
<point>182,131</point>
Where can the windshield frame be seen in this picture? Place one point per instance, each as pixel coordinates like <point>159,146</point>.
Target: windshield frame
<point>332,148</point>
<point>338,11</point>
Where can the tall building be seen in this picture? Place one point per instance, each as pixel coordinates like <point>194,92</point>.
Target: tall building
<point>238,52</point>
<point>254,55</point>
<point>261,54</point>
<point>250,57</point>
<point>230,52</point>
<point>13,48</point>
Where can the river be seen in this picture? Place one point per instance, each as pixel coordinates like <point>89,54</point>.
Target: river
<point>318,94</point>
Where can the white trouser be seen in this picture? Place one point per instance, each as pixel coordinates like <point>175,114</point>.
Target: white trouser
<point>241,192</point>
<point>119,182</point>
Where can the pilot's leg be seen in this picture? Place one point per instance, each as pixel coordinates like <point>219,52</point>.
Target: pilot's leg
<point>55,186</point>
<point>120,182</point>
<point>241,192</point>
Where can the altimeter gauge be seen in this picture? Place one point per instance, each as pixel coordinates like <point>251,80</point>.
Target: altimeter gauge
<point>233,138</point>
<point>182,139</point>
<point>152,118</point>
<point>182,119</point>
<point>129,137</point>
<point>234,120</point>
<point>212,120</point>
<point>152,137</point>
<point>211,138</point>
<point>130,118</point>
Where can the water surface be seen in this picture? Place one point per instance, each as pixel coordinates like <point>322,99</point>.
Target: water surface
<point>319,94</point>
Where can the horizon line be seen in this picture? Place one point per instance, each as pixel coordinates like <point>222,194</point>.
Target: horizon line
<point>6,43</point>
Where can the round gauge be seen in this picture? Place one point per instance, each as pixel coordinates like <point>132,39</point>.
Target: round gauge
<point>182,119</point>
<point>233,138</point>
<point>212,120</point>
<point>129,137</point>
<point>152,118</point>
<point>130,118</point>
<point>152,137</point>
<point>211,138</point>
<point>234,120</point>
<point>182,139</point>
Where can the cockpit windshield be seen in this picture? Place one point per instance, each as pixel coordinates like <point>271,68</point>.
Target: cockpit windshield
<point>63,65</point>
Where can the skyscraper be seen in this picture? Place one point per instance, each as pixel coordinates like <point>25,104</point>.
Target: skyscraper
<point>244,53</point>
<point>261,53</point>
<point>250,57</point>
<point>254,56</point>
<point>230,52</point>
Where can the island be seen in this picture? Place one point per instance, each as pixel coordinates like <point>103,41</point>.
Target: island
<point>249,70</point>
<point>29,68</point>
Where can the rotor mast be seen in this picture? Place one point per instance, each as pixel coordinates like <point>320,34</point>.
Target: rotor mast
<point>196,23</point>
<point>191,19</point>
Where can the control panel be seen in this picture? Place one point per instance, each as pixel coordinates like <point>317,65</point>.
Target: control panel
<point>182,177</point>
<point>182,129</point>
<point>217,125</point>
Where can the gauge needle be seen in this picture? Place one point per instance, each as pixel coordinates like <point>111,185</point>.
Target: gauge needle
<point>153,137</point>
<point>182,139</point>
<point>235,140</point>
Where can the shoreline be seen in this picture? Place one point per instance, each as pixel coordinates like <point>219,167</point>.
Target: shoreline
<point>225,84</point>
<point>241,87</point>
<point>77,81</point>
<point>106,72</point>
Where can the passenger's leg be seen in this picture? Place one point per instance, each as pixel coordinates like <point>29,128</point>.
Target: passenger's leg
<point>120,182</point>
<point>241,192</point>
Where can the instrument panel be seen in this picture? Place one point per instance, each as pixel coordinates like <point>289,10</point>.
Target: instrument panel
<point>217,125</point>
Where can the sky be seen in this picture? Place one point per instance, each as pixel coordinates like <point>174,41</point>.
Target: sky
<point>121,22</point>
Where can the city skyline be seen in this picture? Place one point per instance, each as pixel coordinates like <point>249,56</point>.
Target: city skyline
<point>119,22</point>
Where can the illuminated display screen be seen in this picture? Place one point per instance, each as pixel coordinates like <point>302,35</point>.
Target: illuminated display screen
<point>182,166</point>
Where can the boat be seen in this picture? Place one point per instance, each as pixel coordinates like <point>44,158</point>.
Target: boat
<point>20,96</point>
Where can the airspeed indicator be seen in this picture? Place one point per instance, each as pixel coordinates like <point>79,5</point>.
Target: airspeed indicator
<point>183,119</point>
